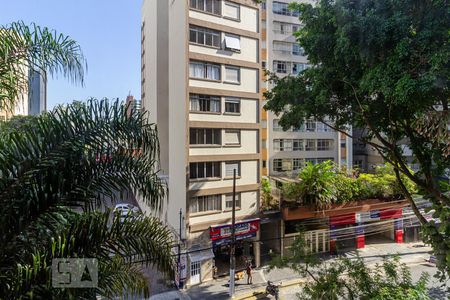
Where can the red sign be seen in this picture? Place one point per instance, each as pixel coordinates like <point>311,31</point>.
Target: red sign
<point>240,228</point>
<point>343,219</point>
<point>393,213</point>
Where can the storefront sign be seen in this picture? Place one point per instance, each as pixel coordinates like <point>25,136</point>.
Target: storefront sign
<point>368,216</point>
<point>393,213</point>
<point>376,215</point>
<point>242,230</point>
<point>343,219</point>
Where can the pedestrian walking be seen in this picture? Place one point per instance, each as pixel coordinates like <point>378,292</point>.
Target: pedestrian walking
<point>249,274</point>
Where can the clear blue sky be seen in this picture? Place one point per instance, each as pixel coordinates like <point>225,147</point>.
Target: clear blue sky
<point>108,32</point>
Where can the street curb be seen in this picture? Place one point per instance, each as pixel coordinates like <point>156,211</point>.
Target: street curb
<point>261,292</point>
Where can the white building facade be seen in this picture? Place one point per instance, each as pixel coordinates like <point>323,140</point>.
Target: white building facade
<point>201,85</point>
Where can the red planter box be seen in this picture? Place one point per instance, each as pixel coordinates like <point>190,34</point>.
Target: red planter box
<point>399,236</point>
<point>360,241</point>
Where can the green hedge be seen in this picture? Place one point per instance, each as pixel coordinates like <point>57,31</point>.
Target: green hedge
<point>323,184</point>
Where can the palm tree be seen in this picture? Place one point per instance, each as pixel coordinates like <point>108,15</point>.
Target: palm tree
<point>316,184</point>
<point>54,175</point>
<point>33,48</point>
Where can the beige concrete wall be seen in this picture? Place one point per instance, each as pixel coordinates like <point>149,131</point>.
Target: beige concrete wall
<point>249,175</point>
<point>248,208</point>
<point>249,18</point>
<point>249,82</point>
<point>249,113</point>
<point>248,145</point>
<point>165,84</point>
<point>249,50</point>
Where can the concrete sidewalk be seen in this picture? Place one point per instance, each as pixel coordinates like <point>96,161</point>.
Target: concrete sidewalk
<point>218,289</point>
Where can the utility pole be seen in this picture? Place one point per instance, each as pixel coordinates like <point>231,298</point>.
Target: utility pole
<point>233,238</point>
<point>179,252</point>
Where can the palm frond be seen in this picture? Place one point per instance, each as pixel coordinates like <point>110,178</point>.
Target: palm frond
<point>26,48</point>
<point>73,159</point>
<point>122,249</point>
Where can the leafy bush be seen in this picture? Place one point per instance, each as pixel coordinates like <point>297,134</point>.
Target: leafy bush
<point>268,202</point>
<point>316,185</point>
<point>322,184</point>
<point>347,188</point>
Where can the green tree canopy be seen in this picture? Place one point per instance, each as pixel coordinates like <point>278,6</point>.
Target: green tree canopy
<point>383,66</point>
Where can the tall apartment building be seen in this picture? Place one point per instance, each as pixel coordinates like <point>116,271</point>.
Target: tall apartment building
<point>133,105</point>
<point>286,152</point>
<point>201,83</point>
<point>31,101</point>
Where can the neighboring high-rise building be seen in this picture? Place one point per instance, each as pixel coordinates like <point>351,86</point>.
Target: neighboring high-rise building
<point>201,84</point>
<point>286,152</point>
<point>32,100</point>
<point>133,105</point>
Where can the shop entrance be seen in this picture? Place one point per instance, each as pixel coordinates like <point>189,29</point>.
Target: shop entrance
<point>195,272</point>
<point>379,232</point>
<point>244,254</point>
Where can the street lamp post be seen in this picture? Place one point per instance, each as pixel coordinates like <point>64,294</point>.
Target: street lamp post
<point>233,238</point>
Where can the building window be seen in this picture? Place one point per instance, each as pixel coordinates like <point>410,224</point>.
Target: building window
<point>232,10</point>
<point>204,103</point>
<point>276,145</point>
<point>264,143</point>
<point>210,6</point>
<point>280,27</point>
<point>287,164</point>
<point>297,68</point>
<point>310,126</point>
<point>281,165</point>
<point>324,145</point>
<point>230,166</point>
<point>204,170</point>
<point>264,163</point>
<point>232,74</point>
<point>310,145</point>
<point>206,203</point>
<point>311,160</point>
<point>299,129</point>
<point>282,47</point>
<point>232,42</point>
<point>281,8</point>
<point>204,36</point>
<point>277,165</point>
<point>280,66</point>
<point>358,163</point>
<point>204,70</point>
<point>232,105</point>
<point>282,145</point>
<point>229,201</point>
<point>204,136</point>
<point>276,126</point>
<point>296,49</point>
<point>297,163</point>
<point>321,127</point>
<point>297,145</point>
<point>232,137</point>
<point>321,160</point>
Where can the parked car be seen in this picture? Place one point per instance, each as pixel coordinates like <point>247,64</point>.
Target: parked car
<point>126,210</point>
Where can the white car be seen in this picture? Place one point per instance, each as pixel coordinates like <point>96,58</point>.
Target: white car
<point>126,210</point>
